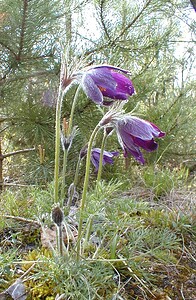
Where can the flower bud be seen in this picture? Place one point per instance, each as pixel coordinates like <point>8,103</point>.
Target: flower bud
<point>66,140</point>
<point>109,130</point>
<point>57,215</point>
<point>83,151</point>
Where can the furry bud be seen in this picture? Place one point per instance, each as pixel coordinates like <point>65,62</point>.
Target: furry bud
<point>57,215</point>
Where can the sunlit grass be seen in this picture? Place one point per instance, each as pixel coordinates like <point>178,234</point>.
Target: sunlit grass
<point>132,242</point>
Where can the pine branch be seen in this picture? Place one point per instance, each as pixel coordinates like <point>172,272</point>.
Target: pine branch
<point>36,57</point>
<point>17,152</point>
<point>2,130</point>
<point>8,48</point>
<point>23,77</point>
<point>102,19</point>
<point>172,104</point>
<point>132,22</point>
<point>113,42</point>
<point>3,156</point>
<point>21,43</point>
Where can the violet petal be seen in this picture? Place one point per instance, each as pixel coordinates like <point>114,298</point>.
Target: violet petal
<point>136,154</point>
<point>102,78</point>
<point>107,157</point>
<point>149,145</point>
<point>139,128</point>
<point>109,67</point>
<point>114,94</point>
<point>124,84</point>
<point>91,90</point>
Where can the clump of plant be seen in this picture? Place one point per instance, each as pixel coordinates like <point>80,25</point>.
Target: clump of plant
<point>7,268</point>
<point>108,87</point>
<point>75,280</point>
<point>129,248</point>
<point>162,181</point>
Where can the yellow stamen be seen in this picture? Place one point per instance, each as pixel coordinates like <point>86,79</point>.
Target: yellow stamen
<point>102,89</point>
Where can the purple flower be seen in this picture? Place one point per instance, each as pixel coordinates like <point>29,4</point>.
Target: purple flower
<point>106,81</point>
<point>134,133</point>
<point>107,157</point>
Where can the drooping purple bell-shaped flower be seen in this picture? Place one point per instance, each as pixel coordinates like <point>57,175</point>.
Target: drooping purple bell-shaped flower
<point>106,81</point>
<point>134,133</point>
<point>107,157</point>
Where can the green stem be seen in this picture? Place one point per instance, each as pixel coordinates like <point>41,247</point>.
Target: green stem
<point>57,143</point>
<point>66,151</point>
<point>101,158</point>
<point>88,231</point>
<point>74,185</point>
<point>60,240</point>
<point>73,109</point>
<point>77,172</point>
<point>65,155</point>
<point>85,186</point>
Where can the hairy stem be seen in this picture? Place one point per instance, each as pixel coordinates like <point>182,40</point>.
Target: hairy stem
<point>73,109</point>
<point>67,150</point>
<point>101,158</point>
<point>85,186</point>
<point>65,155</point>
<point>60,240</point>
<point>57,143</point>
<point>70,199</point>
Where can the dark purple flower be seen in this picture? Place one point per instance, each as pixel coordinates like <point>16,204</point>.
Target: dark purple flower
<point>106,81</point>
<point>135,133</point>
<point>107,157</point>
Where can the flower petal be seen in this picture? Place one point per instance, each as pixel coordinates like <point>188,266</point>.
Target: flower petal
<point>150,145</point>
<point>140,128</point>
<point>124,84</point>
<point>107,157</point>
<point>103,78</point>
<point>112,84</point>
<point>160,133</point>
<point>91,90</point>
<point>95,162</point>
<point>126,141</point>
<point>136,154</point>
<point>134,133</point>
<point>114,94</point>
<point>109,67</point>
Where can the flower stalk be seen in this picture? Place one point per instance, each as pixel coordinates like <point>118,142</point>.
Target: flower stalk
<point>60,239</point>
<point>73,109</point>
<point>57,143</point>
<point>66,151</point>
<point>72,192</point>
<point>85,187</point>
<point>101,157</point>
<point>57,217</point>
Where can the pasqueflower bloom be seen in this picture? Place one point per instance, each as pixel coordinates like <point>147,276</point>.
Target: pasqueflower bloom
<point>106,81</point>
<point>134,133</point>
<point>107,157</point>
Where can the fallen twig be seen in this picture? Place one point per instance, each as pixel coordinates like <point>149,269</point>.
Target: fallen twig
<point>21,219</point>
